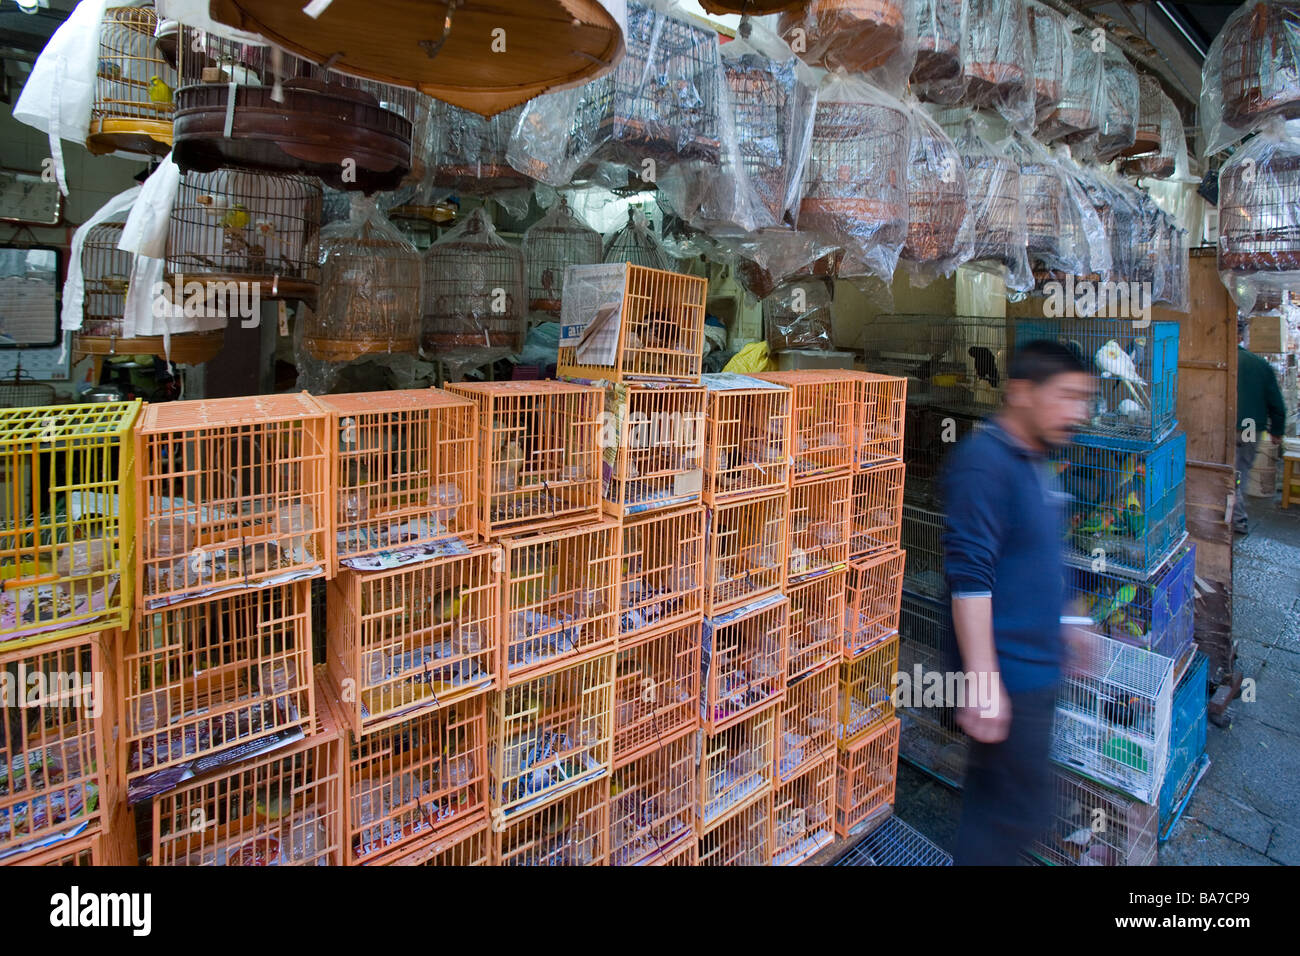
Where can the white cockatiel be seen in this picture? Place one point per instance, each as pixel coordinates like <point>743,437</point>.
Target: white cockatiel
<point>1114,362</point>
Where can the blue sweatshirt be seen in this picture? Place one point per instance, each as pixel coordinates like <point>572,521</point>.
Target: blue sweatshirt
<point>1002,537</point>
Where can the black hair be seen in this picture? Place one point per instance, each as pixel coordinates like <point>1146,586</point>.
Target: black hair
<point>1041,359</point>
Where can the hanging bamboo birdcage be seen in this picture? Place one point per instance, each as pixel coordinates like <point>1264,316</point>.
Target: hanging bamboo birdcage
<point>858,35</point>
<point>1051,46</point>
<point>133,104</point>
<point>238,225</point>
<point>107,273</point>
<point>765,107</point>
<point>370,292</point>
<point>636,244</point>
<point>256,106</point>
<point>996,52</point>
<point>1159,161</point>
<point>1121,99</point>
<point>1259,194</point>
<point>556,241</point>
<point>938,50</point>
<point>467,152</point>
<point>1076,114</point>
<point>1260,70</point>
<point>936,195</point>
<point>473,289</point>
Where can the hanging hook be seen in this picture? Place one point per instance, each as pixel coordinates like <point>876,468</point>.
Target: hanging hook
<point>431,47</point>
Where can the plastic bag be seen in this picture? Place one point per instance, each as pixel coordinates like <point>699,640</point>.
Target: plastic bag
<point>1078,113</point>
<point>753,358</point>
<point>1120,102</point>
<point>939,237</point>
<point>998,228</point>
<point>1052,54</point>
<point>855,186</point>
<point>766,258</point>
<point>1081,219</point>
<point>1169,158</point>
<point>875,39</point>
<point>474,290</point>
<point>798,315</point>
<point>938,76</point>
<point>74,285</point>
<point>1251,73</point>
<point>998,62</point>
<point>466,154</point>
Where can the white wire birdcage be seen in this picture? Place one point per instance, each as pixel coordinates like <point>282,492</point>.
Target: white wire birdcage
<point>556,241</point>
<point>134,86</point>
<point>1092,826</point>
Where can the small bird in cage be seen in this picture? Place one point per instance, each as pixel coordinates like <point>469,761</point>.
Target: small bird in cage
<point>1113,362</point>
<point>159,91</point>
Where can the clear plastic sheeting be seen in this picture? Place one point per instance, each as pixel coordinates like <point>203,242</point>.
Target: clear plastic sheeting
<point>1080,218</point>
<point>556,241</point>
<point>1259,217</point>
<point>998,226</point>
<point>1251,73</point>
<point>637,244</point>
<point>466,152</point>
<point>999,63</point>
<point>1169,157</point>
<point>764,259</point>
<point>798,315</point>
<point>937,76</point>
<point>1052,53</point>
<point>1078,113</point>
<point>1121,98</point>
<point>855,186</point>
<point>1052,242</point>
<point>876,39</point>
<point>939,230</point>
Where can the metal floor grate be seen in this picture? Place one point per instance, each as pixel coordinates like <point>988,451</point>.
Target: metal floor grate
<point>895,843</point>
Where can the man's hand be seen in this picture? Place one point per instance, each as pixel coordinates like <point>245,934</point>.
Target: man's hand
<point>989,720</point>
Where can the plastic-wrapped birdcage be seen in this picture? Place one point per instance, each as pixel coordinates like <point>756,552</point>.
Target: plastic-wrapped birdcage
<point>1251,73</point>
<point>937,76</point>
<point>1126,505</point>
<point>133,103</point>
<point>466,152</point>
<point>556,241</point>
<point>1074,838</point>
<point>1052,49</point>
<point>635,243</point>
<point>998,227</point>
<point>1169,154</point>
<point>473,290</point>
<point>246,226</point>
<point>1146,137</point>
<point>370,289</point>
<point>244,104</point>
<point>938,227</point>
<point>1112,717</point>
<point>999,60</point>
<point>1078,112</point>
<point>855,185</point>
<point>1121,102</point>
<point>798,315</point>
<point>876,38</point>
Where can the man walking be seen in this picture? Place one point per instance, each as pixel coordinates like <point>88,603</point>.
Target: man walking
<point>1002,544</point>
<point>1259,401</point>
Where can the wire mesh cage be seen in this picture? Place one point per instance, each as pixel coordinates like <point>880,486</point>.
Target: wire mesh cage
<point>857,35</point>
<point>873,590</point>
<point>637,245</point>
<point>556,241</point>
<point>21,391</point>
<point>865,778</point>
<point>284,808</point>
<point>468,846</point>
<point>1077,113</point>
<point>258,106</point>
<point>571,831</point>
<point>1258,73</point>
<point>403,468</point>
<point>67,520</point>
<point>803,811</point>
<point>1259,231</point>
<point>895,843</point>
<point>816,622</point>
<point>656,689</point>
<point>559,598</point>
<point>876,510</point>
<point>652,804</point>
<point>742,660</point>
<point>935,747</point>
<point>806,720</point>
<point>746,439</point>
<point>744,838</point>
<point>921,539</point>
<point>937,74</point>
<point>419,780</point>
<point>929,737</point>
<point>473,290</point>
<point>239,225</point>
<point>822,420</point>
<point>1121,99</point>
<point>661,571</point>
<point>817,530</point>
<point>1051,50</point>
<point>957,363</point>
<point>1187,734</point>
<point>233,492</point>
<point>624,322</point>
<point>866,686</point>
<point>746,551</point>
<point>1128,506</point>
<point>424,635</point>
<point>736,764</point>
<point>550,733</point>
<point>1112,717</point>
<point>205,683</point>
<point>1093,826</point>
<point>466,152</point>
<point>133,102</point>
<point>538,454</point>
<point>57,767</point>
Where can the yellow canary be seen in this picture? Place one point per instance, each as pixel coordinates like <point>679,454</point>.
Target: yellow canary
<point>159,92</point>
<point>236,217</point>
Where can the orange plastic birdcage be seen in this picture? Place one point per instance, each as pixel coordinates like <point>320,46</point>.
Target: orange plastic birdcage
<point>57,715</point>
<point>735,764</point>
<point>538,454</point>
<point>803,812</point>
<point>661,571</point>
<point>232,492</point>
<point>747,440</point>
<point>742,838</point>
<point>281,809</point>
<point>865,778</point>
<point>874,592</point>
<point>419,636</point>
<point>816,622</point>
<point>469,846</point>
<point>652,804</point>
<point>746,544</point>
<point>559,597</point>
<point>877,510</point>
<point>880,402</point>
<point>806,726</point>
<point>823,420</point>
<point>817,533</point>
<point>550,733</point>
<point>418,780</point>
<point>623,322</point>
<point>570,831</point>
<point>656,689</point>
<point>132,109</point>
<point>208,681</point>
<point>866,691</point>
<point>742,660</point>
<point>403,466</point>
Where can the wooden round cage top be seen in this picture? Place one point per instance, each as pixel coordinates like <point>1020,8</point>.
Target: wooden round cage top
<point>134,86</point>
<point>1259,210</point>
<point>1261,63</point>
<point>858,35</point>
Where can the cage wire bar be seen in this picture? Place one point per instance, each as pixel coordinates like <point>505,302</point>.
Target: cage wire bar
<point>652,804</point>
<point>133,102</point>
<point>955,362</point>
<point>816,622</point>
<point>1128,838</point>
<point>872,597</point>
<point>742,660</point>
<point>921,531</point>
<point>929,737</point>
<point>656,689</point>
<point>806,721</point>
<point>473,290</point>
<point>803,812</point>
<point>823,419</point>
<point>876,510</point>
<point>747,438</point>
<point>746,551</point>
<point>470,846</point>
<point>661,571</point>
<point>743,838</point>
<point>636,245</point>
<point>865,778</point>
<point>895,843</point>
<point>571,831</point>
<point>736,764</point>
<point>866,687</point>
<point>880,401</point>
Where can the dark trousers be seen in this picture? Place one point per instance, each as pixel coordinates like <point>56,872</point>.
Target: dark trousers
<point>1246,452</point>
<point>1007,796</point>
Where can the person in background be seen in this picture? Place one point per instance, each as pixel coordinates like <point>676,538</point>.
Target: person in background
<point>1003,561</point>
<point>1259,402</point>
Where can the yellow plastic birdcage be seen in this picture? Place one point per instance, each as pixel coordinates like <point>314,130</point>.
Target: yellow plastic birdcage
<point>67,520</point>
<point>134,85</point>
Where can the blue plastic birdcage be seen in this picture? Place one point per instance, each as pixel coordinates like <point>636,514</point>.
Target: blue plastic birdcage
<point>1187,731</point>
<point>1155,615</point>
<point>1136,398</point>
<point>1124,505</point>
